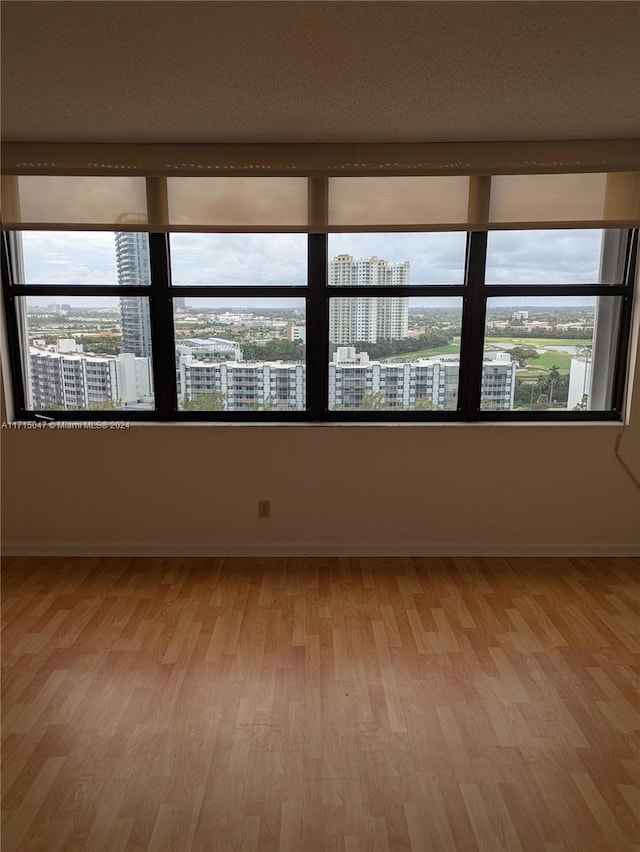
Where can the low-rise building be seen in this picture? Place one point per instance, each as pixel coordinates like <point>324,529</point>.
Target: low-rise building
<point>73,380</point>
<point>355,382</point>
<point>423,383</point>
<point>244,385</point>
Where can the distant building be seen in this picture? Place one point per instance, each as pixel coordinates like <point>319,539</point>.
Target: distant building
<point>297,331</point>
<point>368,318</point>
<point>209,348</point>
<point>579,382</point>
<point>132,260</point>
<point>430,383</point>
<point>498,381</point>
<point>68,344</point>
<point>245,386</point>
<point>354,381</point>
<point>75,381</point>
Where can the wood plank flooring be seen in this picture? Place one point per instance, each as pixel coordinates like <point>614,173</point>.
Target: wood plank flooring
<point>305,705</point>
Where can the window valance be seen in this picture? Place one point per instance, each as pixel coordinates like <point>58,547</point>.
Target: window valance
<point>321,188</point>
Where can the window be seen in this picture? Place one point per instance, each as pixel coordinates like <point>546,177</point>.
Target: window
<point>367,326</point>
<point>297,284</point>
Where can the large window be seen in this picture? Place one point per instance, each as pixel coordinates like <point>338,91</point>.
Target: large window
<point>287,326</point>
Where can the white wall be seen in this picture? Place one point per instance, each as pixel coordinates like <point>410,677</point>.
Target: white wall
<point>416,489</point>
<point>554,488</point>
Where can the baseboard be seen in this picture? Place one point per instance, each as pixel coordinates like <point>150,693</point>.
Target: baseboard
<point>154,549</point>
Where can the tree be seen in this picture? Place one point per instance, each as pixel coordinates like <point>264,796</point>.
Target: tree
<point>583,405</point>
<point>523,354</point>
<point>270,404</point>
<point>554,373</point>
<point>102,345</point>
<point>584,352</point>
<point>373,401</point>
<point>387,348</point>
<point>274,350</point>
<point>215,401</point>
<point>542,402</point>
<point>488,404</point>
<point>554,380</point>
<point>425,404</point>
<point>524,391</point>
<point>107,405</point>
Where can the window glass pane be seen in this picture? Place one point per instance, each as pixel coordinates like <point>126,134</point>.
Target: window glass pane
<point>239,259</point>
<point>390,353</point>
<point>397,259</point>
<point>87,353</point>
<point>550,354</point>
<point>81,257</point>
<point>554,257</point>
<point>240,354</point>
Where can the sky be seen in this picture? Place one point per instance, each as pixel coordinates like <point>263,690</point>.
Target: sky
<point>525,257</point>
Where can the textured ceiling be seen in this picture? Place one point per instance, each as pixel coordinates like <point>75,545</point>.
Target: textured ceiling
<point>319,71</point>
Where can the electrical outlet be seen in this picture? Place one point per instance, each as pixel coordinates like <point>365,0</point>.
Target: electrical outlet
<point>264,509</point>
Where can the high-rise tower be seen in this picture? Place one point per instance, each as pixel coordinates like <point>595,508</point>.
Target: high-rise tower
<point>132,258</point>
<point>368,318</point>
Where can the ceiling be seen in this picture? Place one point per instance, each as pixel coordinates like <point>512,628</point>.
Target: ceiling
<point>319,71</point>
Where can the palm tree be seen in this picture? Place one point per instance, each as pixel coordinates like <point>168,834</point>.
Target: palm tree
<point>554,378</point>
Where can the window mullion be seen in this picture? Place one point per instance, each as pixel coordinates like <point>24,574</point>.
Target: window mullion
<point>12,328</point>
<point>162,332</point>
<point>317,329</point>
<point>473,321</point>
<point>620,372</point>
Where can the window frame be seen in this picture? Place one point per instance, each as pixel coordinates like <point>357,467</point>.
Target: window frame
<point>317,293</point>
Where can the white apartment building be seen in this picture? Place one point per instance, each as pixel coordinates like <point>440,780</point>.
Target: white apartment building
<point>76,381</point>
<point>208,349</point>
<point>498,381</point>
<point>246,386</point>
<point>424,383</point>
<point>368,318</point>
<point>579,382</point>
<point>297,331</point>
<point>354,380</point>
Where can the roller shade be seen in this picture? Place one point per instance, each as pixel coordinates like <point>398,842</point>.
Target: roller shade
<point>398,201</point>
<point>564,199</point>
<point>229,202</point>
<point>32,201</point>
<point>327,188</point>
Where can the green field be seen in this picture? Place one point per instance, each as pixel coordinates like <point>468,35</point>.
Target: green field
<point>452,348</point>
<point>545,361</point>
<point>539,365</point>
<point>540,342</point>
<point>562,360</point>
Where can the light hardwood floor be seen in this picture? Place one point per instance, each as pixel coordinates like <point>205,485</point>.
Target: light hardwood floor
<point>321,704</point>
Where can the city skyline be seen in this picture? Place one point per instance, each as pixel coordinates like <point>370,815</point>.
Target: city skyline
<point>213,375</point>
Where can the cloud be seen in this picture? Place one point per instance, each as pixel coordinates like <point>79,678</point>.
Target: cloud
<point>436,258</point>
<point>58,257</point>
<point>239,259</point>
<point>514,257</point>
<point>544,257</point>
